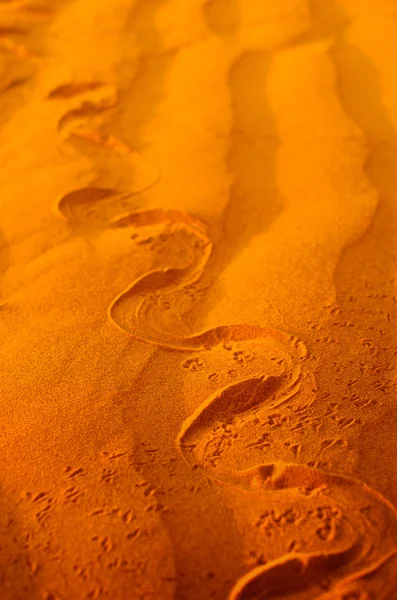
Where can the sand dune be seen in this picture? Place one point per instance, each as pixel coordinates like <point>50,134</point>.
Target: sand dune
<point>197,299</point>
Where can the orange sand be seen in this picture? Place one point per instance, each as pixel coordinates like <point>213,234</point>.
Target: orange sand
<point>198,269</point>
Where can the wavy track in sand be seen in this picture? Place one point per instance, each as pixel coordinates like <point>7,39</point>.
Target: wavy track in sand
<point>96,99</point>
<point>351,544</point>
<point>336,537</point>
<point>346,561</point>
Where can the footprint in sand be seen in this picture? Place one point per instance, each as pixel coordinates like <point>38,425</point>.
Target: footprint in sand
<point>96,565</point>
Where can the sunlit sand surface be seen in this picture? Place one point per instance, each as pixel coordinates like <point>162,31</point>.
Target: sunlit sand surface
<point>198,269</point>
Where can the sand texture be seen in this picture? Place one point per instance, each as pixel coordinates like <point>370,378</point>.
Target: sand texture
<point>198,299</point>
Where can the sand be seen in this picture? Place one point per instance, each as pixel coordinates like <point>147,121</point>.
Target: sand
<point>198,299</point>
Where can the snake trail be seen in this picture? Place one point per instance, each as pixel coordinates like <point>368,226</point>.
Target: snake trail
<point>345,550</point>
<point>325,535</point>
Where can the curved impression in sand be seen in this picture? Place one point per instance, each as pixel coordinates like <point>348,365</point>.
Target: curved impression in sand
<point>168,286</point>
<point>338,536</point>
<point>331,536</point>
<point>355,541</point>
<point>342,536</point>
<point>94,205</point>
